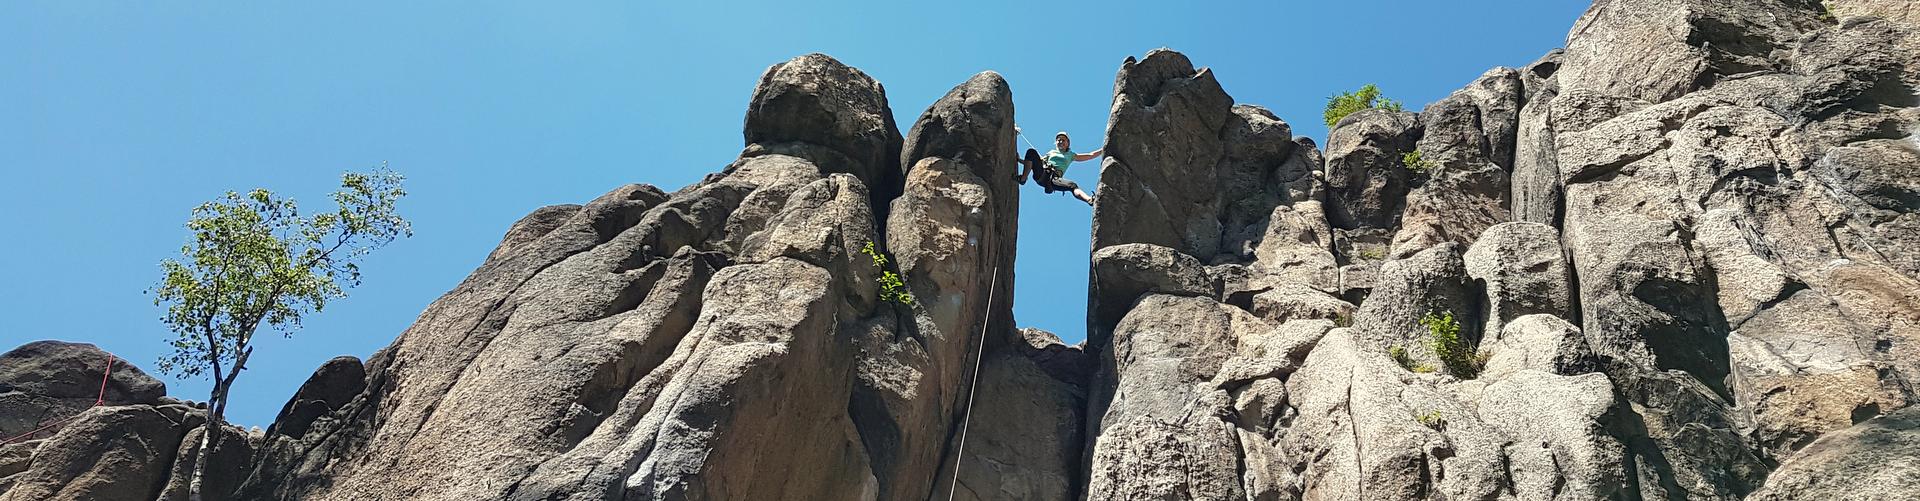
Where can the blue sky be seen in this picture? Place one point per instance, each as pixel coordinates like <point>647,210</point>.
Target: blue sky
<point>117,118</point>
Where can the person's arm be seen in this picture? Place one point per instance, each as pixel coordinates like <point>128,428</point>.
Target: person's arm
<point>1090,156</point>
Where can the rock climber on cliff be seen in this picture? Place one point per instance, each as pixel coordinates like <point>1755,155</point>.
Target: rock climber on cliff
<point>1050,170</point>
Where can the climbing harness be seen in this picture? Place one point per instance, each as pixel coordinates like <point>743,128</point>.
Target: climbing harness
<point>97,401</point>
<point>960,453</point>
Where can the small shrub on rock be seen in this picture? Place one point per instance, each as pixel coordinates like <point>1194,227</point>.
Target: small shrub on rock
<point>1339,106</point>
<point>1443,337</point>
<point>892,288</point>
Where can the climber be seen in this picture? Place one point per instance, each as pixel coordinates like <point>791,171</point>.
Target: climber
<point>1050,170</point>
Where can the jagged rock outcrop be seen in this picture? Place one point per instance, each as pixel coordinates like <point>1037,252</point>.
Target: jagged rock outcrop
<point>1681,257</point>
<point>1872,461</point>
<point>1367,182</point>
<point>135,444</point>
<point>44,381</point>
<point>655,346</point>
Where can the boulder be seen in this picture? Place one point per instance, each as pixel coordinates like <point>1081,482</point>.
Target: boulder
<point>1289,302</point>
<point>1298,246</point>
<point>1538,342</point>
<point>1876,460</point>
<point>1367,182</point>
<point>1658,51</point>
<point>1561,427</point>
<point>1123,273</point>
<point>1432,282</point>
<point>1160,429</point>
<point>1523,271</point>
<point>45,381</point>
<point>1467,149</point>
<point>330,388</point>
<point>831,114</point>
<point>1159,182</point>
<point>115,452</point>
<point>1394,434</point>
<point>1899,11</point>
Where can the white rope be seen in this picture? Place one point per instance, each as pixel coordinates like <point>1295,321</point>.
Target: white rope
<point>960,454</point>
<point>1023,137</point>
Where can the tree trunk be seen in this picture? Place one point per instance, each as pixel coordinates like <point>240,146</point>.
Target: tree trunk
<point>210,433</point>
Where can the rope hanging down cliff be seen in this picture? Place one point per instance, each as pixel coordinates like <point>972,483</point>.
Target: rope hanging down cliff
<point>960,453</point>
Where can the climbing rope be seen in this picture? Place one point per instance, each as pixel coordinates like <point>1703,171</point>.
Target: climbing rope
<point>960,453</point>
<point>1023,137</point>
<point>97,401</point>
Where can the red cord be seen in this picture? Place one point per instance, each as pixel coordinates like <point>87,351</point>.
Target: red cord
<point>103,382</point>
<point>97,401</point>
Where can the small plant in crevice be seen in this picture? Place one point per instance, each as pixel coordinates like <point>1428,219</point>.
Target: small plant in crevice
<point>1826,13</point>
<point>1416,164</point>
<point>1344,319</point>
<point>892,288</point>
<point>1346,103</point>
<point>1431,420</point>
<point>1372,254</point>
<point>1443,337</point>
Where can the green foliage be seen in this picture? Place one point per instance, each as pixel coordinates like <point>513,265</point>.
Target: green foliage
<point>255,261</point>
<point>1415,163</point>
<point>1344,319</point>
<point>1431,420</point>
<point>1373,254</point>
<point>1346,103</point>
<point>1826,13</point>
<point>892,288</point>
<point>1443,337</point>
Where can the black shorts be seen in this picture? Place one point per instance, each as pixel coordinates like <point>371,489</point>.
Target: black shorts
<point>1048,178</point>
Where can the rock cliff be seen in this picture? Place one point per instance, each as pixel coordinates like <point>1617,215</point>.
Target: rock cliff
<point>1677,259</point>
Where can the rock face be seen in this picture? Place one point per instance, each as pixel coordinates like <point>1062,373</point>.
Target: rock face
<point>657,346</point>
<point>134,445</point>
<point>1875,460</point>
<point>44,381</point>
<point>1679,259</point>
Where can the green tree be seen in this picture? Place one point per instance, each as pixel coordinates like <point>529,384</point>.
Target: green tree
<point>254,261</point>
<point>1339,106</point>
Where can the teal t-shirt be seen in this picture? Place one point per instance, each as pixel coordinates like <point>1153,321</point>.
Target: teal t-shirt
<point>1059,160</point>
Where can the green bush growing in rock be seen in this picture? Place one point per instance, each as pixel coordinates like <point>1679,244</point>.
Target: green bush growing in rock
<point>1443,337</point>
<point>892,288</point>
<point>1826,13</point>
<point>1339,106</point>
<point>1415,163</point>
<point>1372,254</point>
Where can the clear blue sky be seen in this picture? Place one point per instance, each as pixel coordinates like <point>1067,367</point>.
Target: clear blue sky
<point>117,118</point>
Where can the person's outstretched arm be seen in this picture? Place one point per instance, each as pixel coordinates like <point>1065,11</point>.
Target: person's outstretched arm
<point>1090,156</point>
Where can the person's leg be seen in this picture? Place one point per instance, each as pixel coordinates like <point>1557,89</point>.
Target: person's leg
<point>1068,185</point>
<point>1028,164</point>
